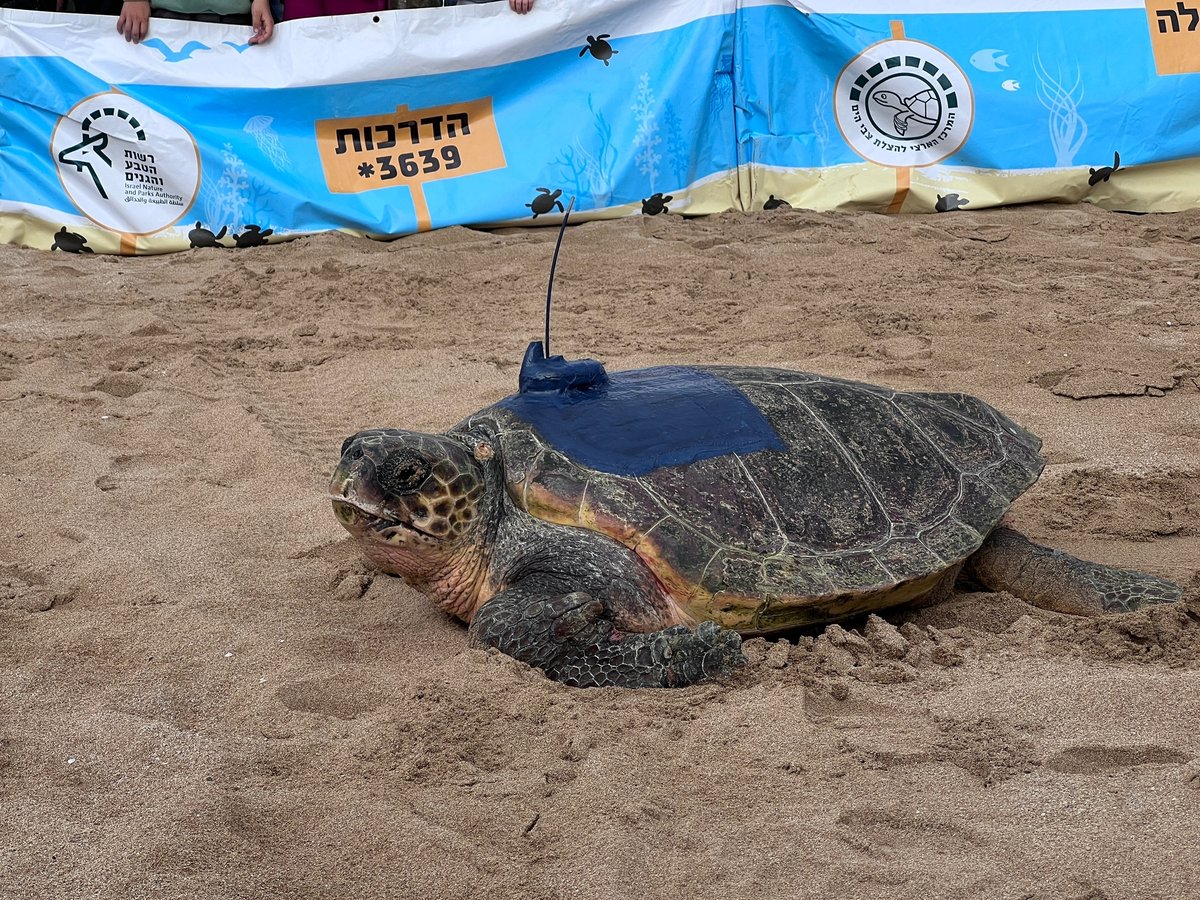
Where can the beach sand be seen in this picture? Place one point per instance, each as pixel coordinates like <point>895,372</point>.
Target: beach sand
<point>206,693</point>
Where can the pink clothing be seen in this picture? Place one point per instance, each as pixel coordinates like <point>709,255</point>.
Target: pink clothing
<point>306,9</point>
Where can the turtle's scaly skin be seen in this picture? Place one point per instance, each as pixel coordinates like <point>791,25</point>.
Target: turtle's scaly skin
<point>877,498</point>
<point>1060,582</point>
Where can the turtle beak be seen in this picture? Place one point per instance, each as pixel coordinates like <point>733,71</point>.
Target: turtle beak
<point>356,490</point>
<point>354,485</point>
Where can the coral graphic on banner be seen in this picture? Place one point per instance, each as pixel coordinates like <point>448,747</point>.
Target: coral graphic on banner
<point>586,165</point>
<point>903,103</point>
<point>647,138</point>
<point>225,200</point>
<point>125,166</point>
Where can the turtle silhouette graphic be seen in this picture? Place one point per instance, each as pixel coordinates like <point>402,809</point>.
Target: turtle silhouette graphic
<point>655,204</point>
<point>253,236</point>
<point>70,241</point>
<point>1104,172</point>
<point>921,107</point>
<point>774,202</point>
<point>203,237</point>
<point>546,201</point>
<point>950,202</point>
<point>600,48</point>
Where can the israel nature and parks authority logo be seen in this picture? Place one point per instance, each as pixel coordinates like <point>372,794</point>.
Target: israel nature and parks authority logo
<point>903,103</point>
<point>125,166</point>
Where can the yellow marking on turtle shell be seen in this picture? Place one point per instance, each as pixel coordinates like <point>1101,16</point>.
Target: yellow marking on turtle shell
<point>690,603</point>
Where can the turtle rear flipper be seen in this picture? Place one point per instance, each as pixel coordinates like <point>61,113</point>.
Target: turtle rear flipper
<point>1059,582</point>
<point>571,638</point>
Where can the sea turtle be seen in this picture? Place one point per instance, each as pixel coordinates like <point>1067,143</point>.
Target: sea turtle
<point>655,204</point>
<point>203,237</point>
<point>545,201</point>
<point>624,529</point>
<point>920,107</point>
<point>599,47</point>
<point>1104,172</point>
<point>949,203</point>
<point>252,236</point>
<point>69,241</point>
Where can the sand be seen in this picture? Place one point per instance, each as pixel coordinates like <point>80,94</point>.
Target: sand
<point>204,693</point>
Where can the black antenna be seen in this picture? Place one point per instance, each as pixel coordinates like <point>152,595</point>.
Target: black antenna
<point>553,263</point>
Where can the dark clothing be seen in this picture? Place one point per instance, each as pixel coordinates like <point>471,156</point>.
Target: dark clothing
<point>202,17</point>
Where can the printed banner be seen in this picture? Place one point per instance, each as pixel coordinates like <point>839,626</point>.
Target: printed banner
<point>403,121</point>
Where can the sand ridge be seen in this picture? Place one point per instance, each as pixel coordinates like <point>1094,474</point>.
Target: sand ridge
<point>204,692</point>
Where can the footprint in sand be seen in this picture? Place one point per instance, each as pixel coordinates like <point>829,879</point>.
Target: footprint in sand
<point>875,828</point>
<point>120,384</point>
<point>1100,760</point>
<point>328,697</point>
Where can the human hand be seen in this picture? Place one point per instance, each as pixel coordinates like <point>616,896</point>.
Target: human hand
<point>134,21</point>
<point>260,18</point>
<point>520,6</point>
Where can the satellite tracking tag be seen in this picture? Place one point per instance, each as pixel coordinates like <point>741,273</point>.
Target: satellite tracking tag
<point>631,423</point>
<point>634,422</point>
<point>556,373</point>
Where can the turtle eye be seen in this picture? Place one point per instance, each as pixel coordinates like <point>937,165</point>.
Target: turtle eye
<point>403,472</point>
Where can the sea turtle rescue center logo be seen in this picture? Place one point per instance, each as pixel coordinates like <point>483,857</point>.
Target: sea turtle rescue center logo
<point>125,166</point>
<point>903,103</point>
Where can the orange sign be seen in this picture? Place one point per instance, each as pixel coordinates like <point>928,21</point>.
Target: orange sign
<point>409,148</point>
<point>1175,35</point>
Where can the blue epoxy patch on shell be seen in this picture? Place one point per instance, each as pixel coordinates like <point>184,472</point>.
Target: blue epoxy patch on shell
<point>644,419</point>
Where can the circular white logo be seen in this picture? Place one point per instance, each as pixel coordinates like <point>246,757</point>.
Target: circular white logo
<point>125,166</point>
<point>903,103</point>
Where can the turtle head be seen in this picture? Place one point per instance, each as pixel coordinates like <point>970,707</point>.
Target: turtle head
<point>415,501</point>
<point>889,99</point>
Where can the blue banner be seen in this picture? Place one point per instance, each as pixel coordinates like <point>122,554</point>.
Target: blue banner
<point>403,121</point>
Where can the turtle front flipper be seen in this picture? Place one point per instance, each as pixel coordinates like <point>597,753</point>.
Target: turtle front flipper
<point>572,638</point>
<point>1059,582</point>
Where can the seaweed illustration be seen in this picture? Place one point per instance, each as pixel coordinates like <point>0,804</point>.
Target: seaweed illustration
<point>646,139</point>
<point>268,141</point>
<point>236,198</point>
<point>224,201</point>
<point>675,150</point>
<point>1068,130</point>
<point>588,169</point>
<point>820,122</point>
